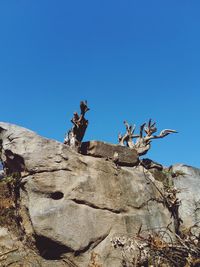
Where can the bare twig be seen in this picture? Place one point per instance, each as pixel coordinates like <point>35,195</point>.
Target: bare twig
<point>7,252</point>
<point>143,142</point>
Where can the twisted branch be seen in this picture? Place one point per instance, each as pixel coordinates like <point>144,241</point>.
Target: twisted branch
<point>143,142</point>
<point>75,136</point>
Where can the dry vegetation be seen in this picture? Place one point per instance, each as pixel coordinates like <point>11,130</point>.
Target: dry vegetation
<point>8,211</point>
<point>159,249</point>
<point>7,207</point>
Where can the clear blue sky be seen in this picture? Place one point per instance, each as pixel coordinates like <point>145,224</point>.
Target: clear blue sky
<point>131,60</point>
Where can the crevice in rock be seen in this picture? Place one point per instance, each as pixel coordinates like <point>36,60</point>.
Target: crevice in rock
<point>32,172</point>
<point>92,244</point>
<point>93,206</point>
<point>10,210</point>
<point>51,170</point>
<point>13,163</point>
<point>10,138</point>
<point>64,157</point>
<point>145,203</point>
<point>49,249</point>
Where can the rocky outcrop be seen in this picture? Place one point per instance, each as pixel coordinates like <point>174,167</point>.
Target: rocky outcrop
<point>71,205</point>
<point>187,181</point>
<point>15,253</point>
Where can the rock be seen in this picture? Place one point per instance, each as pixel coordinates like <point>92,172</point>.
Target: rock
<point>14,253</point>
<point>187,180</point>
<point>27,152</point>
<point>122,155</point>
<point>71,205</point>
<point>150,164</point>
<point>1,174</point>
<point>7,240</point>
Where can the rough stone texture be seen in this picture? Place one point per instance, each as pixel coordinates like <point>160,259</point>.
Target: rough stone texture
<point>120,154</point>
<point>15,253</point>
<point>74,204</point>
<point>189,185</point>
<point>150,164</point>
<point>7,240</point>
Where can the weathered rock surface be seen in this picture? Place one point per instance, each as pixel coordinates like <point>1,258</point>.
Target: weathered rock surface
<point>71,205</point>
<point>7,240</point>
<point>120,154</point>
<point>188,182</point>
<point>15,254</point>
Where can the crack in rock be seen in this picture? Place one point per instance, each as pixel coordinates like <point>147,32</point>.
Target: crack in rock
<point>32,172</point>
<point>10,138</point>
<point>92,244</point>
<point>145,203</point>
<point>93,206</point>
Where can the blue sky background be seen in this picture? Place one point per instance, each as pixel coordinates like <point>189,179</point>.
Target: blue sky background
<point>131,60</point>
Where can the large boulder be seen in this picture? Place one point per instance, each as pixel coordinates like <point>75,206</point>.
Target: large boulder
<point>187,181</point>
<point>72,204</point>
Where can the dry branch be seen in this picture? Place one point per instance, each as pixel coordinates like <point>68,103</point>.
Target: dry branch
<point>143,141</point>
<point>150,248</point>
<point>75,136</point>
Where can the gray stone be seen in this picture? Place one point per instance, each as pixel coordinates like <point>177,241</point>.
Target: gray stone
<point>187,180</point>
<point>7,240</point>
<point>30,153</point>
<point>74,204</point>
<point>122,155</point>
<point>15,253</point>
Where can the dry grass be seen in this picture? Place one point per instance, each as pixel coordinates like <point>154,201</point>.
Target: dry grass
<point>7,205</point>
<point>94,261</point>
<point>149,248</point>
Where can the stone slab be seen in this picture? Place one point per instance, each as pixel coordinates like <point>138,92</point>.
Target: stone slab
<point>122,155</point>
